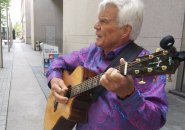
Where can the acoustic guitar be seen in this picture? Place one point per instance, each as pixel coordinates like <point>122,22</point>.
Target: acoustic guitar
<point>81,81</point>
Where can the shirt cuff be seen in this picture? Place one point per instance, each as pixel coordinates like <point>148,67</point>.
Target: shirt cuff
<point>132,102</point>
<point>53,74</point>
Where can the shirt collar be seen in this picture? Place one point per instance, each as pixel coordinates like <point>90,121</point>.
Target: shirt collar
<point>112,54</point>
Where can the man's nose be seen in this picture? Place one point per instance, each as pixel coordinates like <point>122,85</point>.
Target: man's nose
<point>97,26</point>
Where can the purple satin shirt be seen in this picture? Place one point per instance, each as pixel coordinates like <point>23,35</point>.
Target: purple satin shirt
<point>145,109</point>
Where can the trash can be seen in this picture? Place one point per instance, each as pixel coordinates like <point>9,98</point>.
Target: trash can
<point>41,46</point>
<point>37,45</point>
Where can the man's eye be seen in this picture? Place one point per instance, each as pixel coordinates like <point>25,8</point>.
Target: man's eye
<point>103,21</point>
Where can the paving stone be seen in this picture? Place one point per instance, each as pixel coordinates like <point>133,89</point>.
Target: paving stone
<point>5,76</point>
<point>41,80</point>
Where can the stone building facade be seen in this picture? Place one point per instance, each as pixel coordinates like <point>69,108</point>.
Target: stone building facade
<point>69,24</point>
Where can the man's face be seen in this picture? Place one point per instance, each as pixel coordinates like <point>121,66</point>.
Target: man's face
<point>108,33</point>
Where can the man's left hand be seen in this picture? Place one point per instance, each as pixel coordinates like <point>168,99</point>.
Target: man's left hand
<point>113,81</point>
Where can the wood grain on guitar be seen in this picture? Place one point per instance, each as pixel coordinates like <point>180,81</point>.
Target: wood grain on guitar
<point>78,104</point>
<point>81,81</point>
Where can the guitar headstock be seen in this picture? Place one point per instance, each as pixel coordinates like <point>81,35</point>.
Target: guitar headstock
<point>161,62</point>
<point>165,61</point>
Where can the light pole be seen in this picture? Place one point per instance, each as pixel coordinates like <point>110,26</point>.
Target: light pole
<point>7,18</point>
<point>10,31</point>
<point>1,47</point>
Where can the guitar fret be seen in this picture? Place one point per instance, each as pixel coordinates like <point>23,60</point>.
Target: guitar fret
<point>96,80</point>
<point>85,86</point>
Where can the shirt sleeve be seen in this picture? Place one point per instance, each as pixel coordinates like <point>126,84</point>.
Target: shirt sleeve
<point>66,62</point>
<point>146,108</point>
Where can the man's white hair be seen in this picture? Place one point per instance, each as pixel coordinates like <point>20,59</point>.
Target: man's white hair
<point>130,13</point>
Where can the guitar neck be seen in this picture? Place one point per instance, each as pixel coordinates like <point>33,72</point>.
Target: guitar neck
<point>85,86</point>
<point>157,63</point>
<point>90,83</point>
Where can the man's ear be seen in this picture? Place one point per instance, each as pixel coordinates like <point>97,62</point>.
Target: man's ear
<point>126,30</point>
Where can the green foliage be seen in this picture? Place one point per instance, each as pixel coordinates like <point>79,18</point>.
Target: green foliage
<point>18,29</point>
<point>4,4</point>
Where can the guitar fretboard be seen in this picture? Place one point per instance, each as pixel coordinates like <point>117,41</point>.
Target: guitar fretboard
<point>145,66</point>
<point>90,83</point>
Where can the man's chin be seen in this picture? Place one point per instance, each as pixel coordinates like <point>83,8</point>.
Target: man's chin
<point>98,43</point>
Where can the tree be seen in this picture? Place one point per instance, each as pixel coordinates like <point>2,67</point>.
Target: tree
<point>4,4</point>
<point>18,29</point>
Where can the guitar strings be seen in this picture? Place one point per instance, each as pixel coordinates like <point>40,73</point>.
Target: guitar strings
<point>84,85</point>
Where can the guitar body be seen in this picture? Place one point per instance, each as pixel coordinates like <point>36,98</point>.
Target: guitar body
<point>76,109</point>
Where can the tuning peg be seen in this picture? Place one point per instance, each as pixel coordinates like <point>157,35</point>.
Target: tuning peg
<point>169,78</point>
<point>164,67</point>
<point>158,49</point>
<point>165,52</point>
<point>138,60</point>
<point>151,57</point>
<point>149,69</point>
<point>142,82</point>
<point>137,71</point>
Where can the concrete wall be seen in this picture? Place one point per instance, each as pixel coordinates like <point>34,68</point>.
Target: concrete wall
<point>28,21</point>
<point>32,24</point>
<point>46,16</point>
<point>180,85</point>
<point>161,18</point>
<point>23,19</point>
<point>79,18</point>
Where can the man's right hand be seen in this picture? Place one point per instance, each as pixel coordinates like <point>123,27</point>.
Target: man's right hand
<point>59,89</point>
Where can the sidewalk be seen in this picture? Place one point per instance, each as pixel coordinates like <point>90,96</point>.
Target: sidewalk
<point>23,93</point>
<point>23,102</point>
<point>5,83</point>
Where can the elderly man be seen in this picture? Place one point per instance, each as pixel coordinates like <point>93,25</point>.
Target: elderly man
<point>125,104</point>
